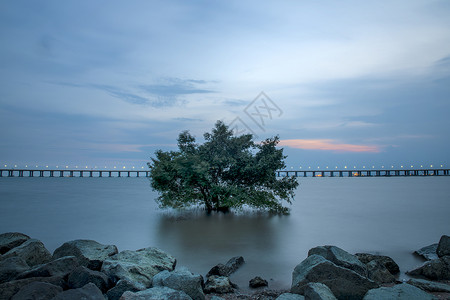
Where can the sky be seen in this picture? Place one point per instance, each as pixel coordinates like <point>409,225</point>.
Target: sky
<point>107,83</point>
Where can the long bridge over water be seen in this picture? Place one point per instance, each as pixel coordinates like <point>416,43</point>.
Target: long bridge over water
<point>281,173</point>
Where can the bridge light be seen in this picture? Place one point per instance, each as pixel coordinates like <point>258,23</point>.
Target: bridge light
<point>67,167</point>
<point>142,167</point>
<point>431,166</point>
<point>441,166</point>
<point>345,167</point>
<point>412,166</point>
<point>318,167</point>
<point>57,167</point>
<point>392,167</point>
<point>309,167</point>
<point>364,167</point>
<point>86,167</point>
<point>76,167</point>
<point>124,167</point>
<point>382,167</point>
<point>401,166</point>
<point>26,166</point>
<point>336,167</point>
<point>421,166</point>
<point>373,167</point>
<point>326,167</point>
<point>46,166</point>
<point>354,167</point>
<point>114,167</point>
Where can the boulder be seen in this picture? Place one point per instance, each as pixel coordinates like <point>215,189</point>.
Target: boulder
<point>89,253</point>
<point>318,291</point>
<point>398,292</point>
<point>156,293</point>
<point>343,282</point>
<point>59,267</point>
<point>10,268</point>
<point>121,287</point>
<point>428,252</point>
<point>289,296</point>
<point>181,280</point>
<point>430,286</point>
<point>82,276</point>
<point>216,298</point>
<point>32,251</point>
<point>218,284</point>
<point>340,257</point>
<point>37,291</point>
<point>436,269</point>
<point>88,292</point>
<point>377,272</point>
<point>11,240</point>
<point>227,269</point>
<point>257,282</point>
<point>10,288</point>
<point>443,248</point>
<point>388,262</point>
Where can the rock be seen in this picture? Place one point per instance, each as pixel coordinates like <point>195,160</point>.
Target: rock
<point>8,289</point>
<point>37,291</point>
<point>82,276</point>
<point>443,248</point>
<point>436,269</point>
<point>11,240</point>
<point>430,286</point>
<point>32,251</point>
<point>156,293</point>
<point>218,284</point>
<point>121,287</point>
<point>139,266</point>
<point>289,296</point>
<point>388,262</point>
<point>226,270</point>
<point>428,252</point>
<point>257,282</point>
<point>216,298</point>
<point>59,267</point>
<point>235,263</point>
<point>89,253</point>
<point>343,282</point>
<point>181,280</point>
<point>377,272</point>
<point>340,257</point>
<point>318,291</point>
<point>398,292</point>
<point>88,292</point>
<point>10,268</point>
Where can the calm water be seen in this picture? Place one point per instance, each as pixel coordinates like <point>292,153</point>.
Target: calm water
<point>389,216</point>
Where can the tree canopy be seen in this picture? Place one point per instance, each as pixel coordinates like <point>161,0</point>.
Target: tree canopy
<point>224,172</point>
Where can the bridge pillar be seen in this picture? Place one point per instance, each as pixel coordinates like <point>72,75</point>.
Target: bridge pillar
<point>51,173</point>
<point>61,173</point>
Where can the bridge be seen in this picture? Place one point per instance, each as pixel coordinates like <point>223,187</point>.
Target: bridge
<point>281,173</point>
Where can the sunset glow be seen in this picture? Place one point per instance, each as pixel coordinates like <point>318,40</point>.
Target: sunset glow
<point>328,145</point>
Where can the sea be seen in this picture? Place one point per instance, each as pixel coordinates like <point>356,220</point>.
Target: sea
<point>391,216</point>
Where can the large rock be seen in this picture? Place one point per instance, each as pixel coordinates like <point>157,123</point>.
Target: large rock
<point>388,262</point>
<point>88,292</point>
<point>437,269</point>
<point>121,287</point>
<point>340,257</point>
<point>139,266</point>
<point>181,280</point>
<point>218,284</point>
<point>82,276</point>
<point>32,251</point>
<point>8,289</point>
<point>398,292</point>
<point>37,291</point>
<point>443,248</point>
<point>89,253</point>
<point>290,296</point>
<point>156,293</point>
<point>428,252</point>
<point>10,268</point>
<point>343,282</point>
<point>377,272</point>
<point>318,291</point>
<point>227,269</point>
<point>59,267</point>
<point>430,286</point>
<point>11,240</point>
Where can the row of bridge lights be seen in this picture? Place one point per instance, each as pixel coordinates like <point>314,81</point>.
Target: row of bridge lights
<point>76,167</point>
<point>373,167</point>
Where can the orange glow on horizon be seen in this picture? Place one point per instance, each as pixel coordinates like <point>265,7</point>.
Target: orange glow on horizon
<point>327,145</point>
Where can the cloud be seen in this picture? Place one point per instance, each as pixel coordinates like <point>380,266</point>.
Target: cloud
<point>328,145</point>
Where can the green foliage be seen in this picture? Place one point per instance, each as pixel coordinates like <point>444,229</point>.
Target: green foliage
<point>225,172</point>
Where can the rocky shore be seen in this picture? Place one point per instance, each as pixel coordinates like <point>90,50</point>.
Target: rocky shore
<point>86,269</point>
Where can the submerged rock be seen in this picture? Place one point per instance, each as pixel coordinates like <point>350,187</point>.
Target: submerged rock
<point>436,269</point>
<point>156,293</point>
<point>227,269</point>
<point>32,251</point>
<point>398,292</point>
<point>257,282</point>
<point>10,240</point>
<point>443,248</point>
<point>340,257</point>
<point>388,262</point>
<point>428,252</point>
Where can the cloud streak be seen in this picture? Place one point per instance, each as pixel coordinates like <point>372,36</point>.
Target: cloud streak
<point>328,145</point>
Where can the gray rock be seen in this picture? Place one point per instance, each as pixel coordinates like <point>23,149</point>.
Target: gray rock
<point>436,269</point>
<point>430,286</point>
<point>88,292</point>
<point>37,291</point>
<point>156,293</point>
<point>428,252</point>
<point>235,263</point>
<point>11,268</point>
<point>82,276</point>
<point>32,251</point>
<point>340,257</point>
<point>343,282</point>
<point>257,282</point>
<point>139,266</point>
<point>227,269</point>
<point>89,253</point>
<point>218,284</point>
<point>59,267</point>
<point>181,280</point>
<point>216,298</point>
<point>388,262</point>
<point>121,287</point>
<point>377,272</point>
<point>318,291</point>
<point>10,288</point>
<point>11,240</point>
<point>289,296</point>
<point>443,248</point>
<point>398,292</point>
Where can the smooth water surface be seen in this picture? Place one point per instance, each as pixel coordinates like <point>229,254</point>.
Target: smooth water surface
<point>390,216</point>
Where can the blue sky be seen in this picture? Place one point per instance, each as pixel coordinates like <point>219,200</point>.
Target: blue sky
<point>104,83</point>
